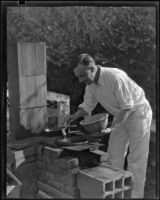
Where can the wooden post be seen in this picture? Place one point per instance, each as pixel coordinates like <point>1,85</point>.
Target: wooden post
<point>26,63</point>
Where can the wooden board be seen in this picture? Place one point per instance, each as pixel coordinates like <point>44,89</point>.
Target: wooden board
<point>26,59</point>
<point>27,92</point>
<point>25,122</point>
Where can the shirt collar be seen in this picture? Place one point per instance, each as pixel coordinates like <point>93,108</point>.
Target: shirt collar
<point>99,76</point>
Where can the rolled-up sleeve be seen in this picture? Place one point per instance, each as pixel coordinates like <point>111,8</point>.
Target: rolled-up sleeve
<point>89,102</point>
<point>123,94</point>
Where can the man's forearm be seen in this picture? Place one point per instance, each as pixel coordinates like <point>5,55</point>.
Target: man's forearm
<point>123,115</point>
<point>80,113</point>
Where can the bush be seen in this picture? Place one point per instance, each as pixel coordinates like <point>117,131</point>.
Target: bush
<point>122,37</point>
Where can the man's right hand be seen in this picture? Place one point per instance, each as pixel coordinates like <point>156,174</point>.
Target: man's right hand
<point>68,119</point>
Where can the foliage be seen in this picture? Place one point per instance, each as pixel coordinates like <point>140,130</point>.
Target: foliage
<point>122,37</point>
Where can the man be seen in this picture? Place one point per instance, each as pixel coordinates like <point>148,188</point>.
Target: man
<point>126,101</point>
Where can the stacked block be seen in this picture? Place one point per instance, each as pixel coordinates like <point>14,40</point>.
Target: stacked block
<point>23,165</point>
<point>57,174</point>
<point>51,172</point>
<point>26,63</point>
<point>58,106</point>
<point>104,182</point>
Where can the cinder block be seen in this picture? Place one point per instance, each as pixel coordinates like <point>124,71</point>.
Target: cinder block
<point>121,178</point>
<point>108,196</point>
<point>127,193</point>
<point>103,179</point>
<point>118,194</point>
<point>93,185</point>
<point>128,179</point>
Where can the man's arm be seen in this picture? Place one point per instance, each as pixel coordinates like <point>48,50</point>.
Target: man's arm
<point>71,118</point>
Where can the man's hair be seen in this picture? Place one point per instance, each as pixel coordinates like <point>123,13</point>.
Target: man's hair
<point>84,59</point>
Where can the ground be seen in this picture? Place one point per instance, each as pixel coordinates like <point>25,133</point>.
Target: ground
<point>150,188</point>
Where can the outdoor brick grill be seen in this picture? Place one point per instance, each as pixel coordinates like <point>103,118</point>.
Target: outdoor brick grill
<point>52,172</point>
<point>45,169</point>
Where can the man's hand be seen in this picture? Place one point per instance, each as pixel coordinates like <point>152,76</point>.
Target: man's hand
<point>68,119</point>
<point>71,118</point>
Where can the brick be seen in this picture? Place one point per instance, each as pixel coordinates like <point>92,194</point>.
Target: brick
<point>17,154</point>
<point>64,163</point>
<point>24,160</point>
<point>57,182</point>
<point>52,152</point>
<point>53,191</point>
<point>101,155</point>
<point>27,172</point>
<point>29,187</point>
<point>40,158</point>
<point>39,149</point>
<point>41,165</point>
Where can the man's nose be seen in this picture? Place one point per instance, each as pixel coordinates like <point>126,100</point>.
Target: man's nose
<point>80,80</point>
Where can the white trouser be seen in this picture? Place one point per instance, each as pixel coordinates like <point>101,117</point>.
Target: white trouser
<point>135,132</point>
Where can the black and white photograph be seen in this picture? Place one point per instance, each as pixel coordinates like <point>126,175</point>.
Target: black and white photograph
<point>81,103</point>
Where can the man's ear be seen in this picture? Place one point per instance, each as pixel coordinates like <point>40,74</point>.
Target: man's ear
<point>91,68</point>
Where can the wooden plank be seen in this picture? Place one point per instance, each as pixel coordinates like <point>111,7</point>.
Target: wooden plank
<point>43,195</point>
<point>26,59</point>
<point>27,122</point>
<point>27,92</point>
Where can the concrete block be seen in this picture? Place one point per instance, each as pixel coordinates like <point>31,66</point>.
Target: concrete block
<point>92,186</point>
<point>52,152</point>
<point>121,178</point>
<point>105,180</point>
<point>118,194</point>
<point>127,193</point>
<point>128,179</point>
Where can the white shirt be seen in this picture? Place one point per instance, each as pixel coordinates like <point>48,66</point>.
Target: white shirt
<point>115,91</point>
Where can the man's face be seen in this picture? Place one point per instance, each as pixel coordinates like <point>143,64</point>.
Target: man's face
<point>84,74</point>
